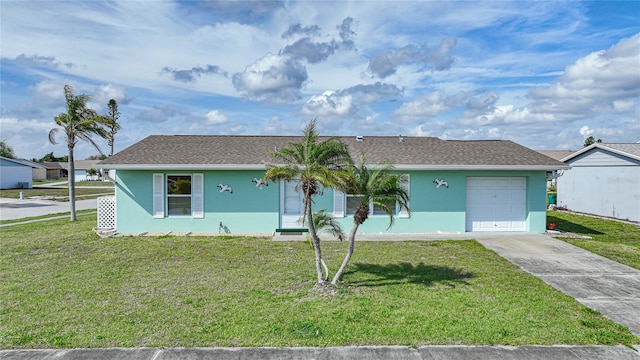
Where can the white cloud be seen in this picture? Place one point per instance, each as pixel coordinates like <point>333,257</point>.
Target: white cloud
<point>272,78</point>
<point>585,131</point>
<point>429,106</point>
<point>596,83</point>
<point>216,117</point>
<point>329,104</point>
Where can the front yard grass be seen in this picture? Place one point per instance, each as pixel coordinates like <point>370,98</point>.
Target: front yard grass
<point>59,194</point>
<point>612,239</point>
<point>63,286</point>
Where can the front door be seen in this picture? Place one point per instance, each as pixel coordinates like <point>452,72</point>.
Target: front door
<point>291,205</point>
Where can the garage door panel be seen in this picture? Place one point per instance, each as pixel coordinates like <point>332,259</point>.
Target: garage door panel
<point>496,204</point>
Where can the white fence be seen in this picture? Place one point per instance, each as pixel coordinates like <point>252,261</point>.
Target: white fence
<point>107,212</point>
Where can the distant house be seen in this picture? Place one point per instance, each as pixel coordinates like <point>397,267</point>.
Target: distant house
<point>16,173</point>
<point>81,167</point>
<point>202,184</point>
<point>56,170</point>
<point>604,180</point>
<point>60,170</point>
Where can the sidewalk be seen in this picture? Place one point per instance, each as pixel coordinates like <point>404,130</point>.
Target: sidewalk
<point>338,353</point>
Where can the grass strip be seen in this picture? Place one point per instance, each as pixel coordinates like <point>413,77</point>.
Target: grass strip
<point>47,217</point>
<point>62,286</point>
<point>612,239</point>
<point>54,193</point>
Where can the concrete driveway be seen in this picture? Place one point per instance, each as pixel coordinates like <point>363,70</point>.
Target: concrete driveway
<point>597,282</point>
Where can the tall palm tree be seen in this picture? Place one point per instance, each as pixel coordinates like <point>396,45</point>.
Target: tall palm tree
<point>381,188</point>
<point>113,114</point>
<point>78,123</point>
<point>312,163</point>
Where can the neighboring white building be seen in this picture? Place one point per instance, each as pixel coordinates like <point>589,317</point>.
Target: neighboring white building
<point>16,173</point>
<point>604,180</point>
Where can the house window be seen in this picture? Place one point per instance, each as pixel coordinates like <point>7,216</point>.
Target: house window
<point>178,195</point>
<point>347,204</point>
<point>353,201</point>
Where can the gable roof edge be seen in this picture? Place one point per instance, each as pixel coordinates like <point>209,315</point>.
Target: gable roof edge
<point>600,146</point>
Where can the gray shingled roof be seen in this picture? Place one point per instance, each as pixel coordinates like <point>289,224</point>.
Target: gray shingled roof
<point>631,150</point>
<point>556,154</point>
<point>213,151</point>
<point>628,148</point>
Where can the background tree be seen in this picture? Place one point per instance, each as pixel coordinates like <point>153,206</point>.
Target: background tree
<point>114,126</point>
<point>92,173</point>
<point>590,141</point>
<point>6,150</point>
<point>312,164</point>
<point>78,123</point>
<point>52,158</point>
<point>97,157</point>
<point>380,188</point>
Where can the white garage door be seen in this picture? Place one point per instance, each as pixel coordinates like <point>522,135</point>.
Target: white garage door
<point>496,204</point>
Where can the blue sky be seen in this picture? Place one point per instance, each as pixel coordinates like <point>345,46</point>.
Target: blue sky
<point>541,73</point>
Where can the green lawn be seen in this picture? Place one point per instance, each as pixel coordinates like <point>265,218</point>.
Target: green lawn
<point>63,286</point>
<point>61,194</point>
<point>612,239</point>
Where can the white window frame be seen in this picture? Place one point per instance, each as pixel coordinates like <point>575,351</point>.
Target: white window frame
<point>161,195</point>
<point>340,203</point>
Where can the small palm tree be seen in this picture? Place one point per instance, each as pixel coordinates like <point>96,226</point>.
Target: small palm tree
<point>78,123</point>
<point>324,222</point>
<point>380,187</point>
<point>313,164</point>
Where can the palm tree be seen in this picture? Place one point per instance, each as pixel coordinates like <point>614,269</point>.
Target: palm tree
<point>324,222</point>
<point>312,164</point>
<point>380,188</point>
<point>78,123</point>
<point>113,126</point>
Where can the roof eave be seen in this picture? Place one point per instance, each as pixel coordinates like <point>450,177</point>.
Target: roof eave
<point>603,147</point>
<point>483,167</point>
<point>405,167</point>
<point>183,166</point>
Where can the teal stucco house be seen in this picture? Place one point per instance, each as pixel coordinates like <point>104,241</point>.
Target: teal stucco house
<point>211,184</point>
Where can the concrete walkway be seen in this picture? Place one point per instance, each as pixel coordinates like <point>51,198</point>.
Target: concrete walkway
<point>338,353</point>
<point>596,282</point>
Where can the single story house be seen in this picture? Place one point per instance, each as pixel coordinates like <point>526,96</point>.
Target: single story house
<point>56,170</point>
<point>209,184</point>
<point>604,180</point>
<point>60,170</point>
<point>81,167</point>
<point>16,173</point>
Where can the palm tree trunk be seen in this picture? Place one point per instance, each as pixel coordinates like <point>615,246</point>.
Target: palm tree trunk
<point>352,246</point>
<point>72,183</point>
<point>315,241</point>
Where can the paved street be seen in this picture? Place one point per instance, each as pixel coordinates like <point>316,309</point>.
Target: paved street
<point>11,209</point>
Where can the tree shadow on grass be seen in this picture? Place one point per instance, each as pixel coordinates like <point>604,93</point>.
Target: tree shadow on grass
<point>568,226</point>
<point>407,273</point>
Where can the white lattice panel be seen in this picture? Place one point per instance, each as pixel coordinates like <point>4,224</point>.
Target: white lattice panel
<point>107,212</point>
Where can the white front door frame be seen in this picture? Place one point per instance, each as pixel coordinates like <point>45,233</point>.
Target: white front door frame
<point>291,205</point>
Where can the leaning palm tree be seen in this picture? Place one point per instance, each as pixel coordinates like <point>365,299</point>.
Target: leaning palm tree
<point>311,163</point>
<point>381,188</point>
<point>78,123</point>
